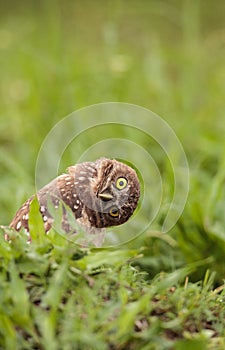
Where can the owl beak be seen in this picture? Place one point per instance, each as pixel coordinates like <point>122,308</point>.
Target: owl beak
<point>105,196</point>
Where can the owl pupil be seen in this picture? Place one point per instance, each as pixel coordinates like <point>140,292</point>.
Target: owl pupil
<point>121,183</point>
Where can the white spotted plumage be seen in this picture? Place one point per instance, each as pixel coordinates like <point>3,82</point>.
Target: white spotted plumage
<point>89,190</point>
<point>18,225</point>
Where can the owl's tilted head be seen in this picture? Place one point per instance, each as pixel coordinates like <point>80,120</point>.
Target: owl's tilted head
<point>108,190</point>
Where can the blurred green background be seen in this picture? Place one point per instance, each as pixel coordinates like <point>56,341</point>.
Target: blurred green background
<point>168,56</point>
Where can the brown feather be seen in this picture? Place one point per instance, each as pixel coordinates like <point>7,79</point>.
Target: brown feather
<point>79,189</point>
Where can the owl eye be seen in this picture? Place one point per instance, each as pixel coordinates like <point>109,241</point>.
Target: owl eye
<point>121,183</point>
<point>114,212</point>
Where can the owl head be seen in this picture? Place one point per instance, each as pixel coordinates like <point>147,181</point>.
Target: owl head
<point>108,190</point>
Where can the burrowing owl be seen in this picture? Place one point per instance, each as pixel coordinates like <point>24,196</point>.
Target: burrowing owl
<point>100,194</point>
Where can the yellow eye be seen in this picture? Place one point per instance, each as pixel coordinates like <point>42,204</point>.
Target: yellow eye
<point>121,183</point>
<point>114,212</point>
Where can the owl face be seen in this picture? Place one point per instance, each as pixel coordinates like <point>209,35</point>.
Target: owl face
<point>111,193</point>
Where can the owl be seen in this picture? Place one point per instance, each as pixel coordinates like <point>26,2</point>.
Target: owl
<point>100,194</point>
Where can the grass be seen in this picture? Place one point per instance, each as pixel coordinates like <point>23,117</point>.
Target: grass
<point>57,296</point>
<point>160,291</point>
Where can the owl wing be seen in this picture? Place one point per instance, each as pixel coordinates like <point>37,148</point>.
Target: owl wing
<point>21,217</point>
<point>61,189</point>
